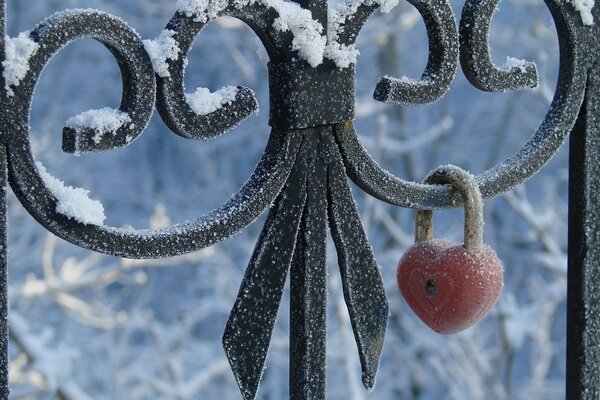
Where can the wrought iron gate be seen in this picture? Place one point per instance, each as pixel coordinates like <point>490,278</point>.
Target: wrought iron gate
<point>303,172</point>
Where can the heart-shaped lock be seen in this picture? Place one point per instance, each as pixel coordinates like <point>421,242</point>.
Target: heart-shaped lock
<point>450,286</point>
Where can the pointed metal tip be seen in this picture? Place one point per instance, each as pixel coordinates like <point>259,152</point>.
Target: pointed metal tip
<point>370,359</point>
<point>248,385</point>
<point>249,395</point>
<point>368,380</point>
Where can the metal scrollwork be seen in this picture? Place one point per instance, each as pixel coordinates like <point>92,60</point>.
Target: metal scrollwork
<point>303,172</point>
<point>540,148</point>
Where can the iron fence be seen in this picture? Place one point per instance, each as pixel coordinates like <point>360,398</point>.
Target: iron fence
<point>302,176</point>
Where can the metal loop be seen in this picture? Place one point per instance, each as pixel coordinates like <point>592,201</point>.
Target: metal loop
<point>441,65</point>
<point>465,183</point>
<point>540,148</point>
<point>171,101</point>
<point>138,102</point>
<point>138,96</point>
<point>475,56</point>
<point>244,207</point>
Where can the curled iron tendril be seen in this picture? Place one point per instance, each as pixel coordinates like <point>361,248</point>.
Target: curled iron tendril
<point>312,148</point>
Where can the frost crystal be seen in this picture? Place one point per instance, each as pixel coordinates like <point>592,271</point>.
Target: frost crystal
<point>161,49</point>
<point>73,202</point>
<point>585,10</point>
<point>308,40</point>
<point>512,62</point>
<point>18,52</point>
<point>345,55</point>
<point>203,102</point>
<point>386,5</point>
<point>103,121</point>
<point>201,10</point>
<point>341,54</point>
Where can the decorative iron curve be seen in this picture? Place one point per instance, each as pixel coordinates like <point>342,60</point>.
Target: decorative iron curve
<point>302,142</point>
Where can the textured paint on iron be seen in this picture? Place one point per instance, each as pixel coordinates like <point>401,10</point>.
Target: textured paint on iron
<point>124,43</point>
<point>361,279</point>
<point>171,102</point>
<point>302,96</point>
<point>308,284</point>
<point>244,207</point>
<point>250,326</point>
<point>441,64</point>
<point>540,148</point>
<point>475,57</point>
<point>583,295</point>
<point>4,388</point>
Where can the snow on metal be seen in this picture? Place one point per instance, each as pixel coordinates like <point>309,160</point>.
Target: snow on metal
<point>302,176</point>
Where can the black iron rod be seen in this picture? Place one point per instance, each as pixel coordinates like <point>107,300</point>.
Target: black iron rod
<point>583,293</point>
<point>4,386</point>
<point>4,389</point>
<point>308,283</point>
<point>318,8</point>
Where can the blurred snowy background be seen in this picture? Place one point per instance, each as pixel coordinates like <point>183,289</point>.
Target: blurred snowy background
<point>88,326</point>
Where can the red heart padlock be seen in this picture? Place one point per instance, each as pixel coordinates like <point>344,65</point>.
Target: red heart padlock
<point>450,287</point>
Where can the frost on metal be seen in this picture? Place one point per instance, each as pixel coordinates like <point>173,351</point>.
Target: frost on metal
<point>343,55</point>
<point>302,174</point>
<point>308,39</point>
<point>316,192</point>
<point>584,7</point>
<point>475,57</point>
<point>201,10</point>
<point>204,102</point>
<point>16,65</point>
<point>102,121</point>
<point>162,49</point>
<point>73,202</point>
<point>512,62</point>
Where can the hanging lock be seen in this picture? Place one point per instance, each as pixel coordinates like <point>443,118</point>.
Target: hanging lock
<point>449,286</point>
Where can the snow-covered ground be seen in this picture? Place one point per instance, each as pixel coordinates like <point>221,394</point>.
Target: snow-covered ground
<point>98,327</point>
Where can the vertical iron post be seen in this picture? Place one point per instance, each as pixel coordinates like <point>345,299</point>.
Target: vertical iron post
<point>308,273</point>
<point>4,388</point>
<point>583,293</point>
<point>318,8</point>
<point>308,284</point>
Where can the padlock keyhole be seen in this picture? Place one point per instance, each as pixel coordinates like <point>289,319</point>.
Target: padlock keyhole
<point>431,287</point>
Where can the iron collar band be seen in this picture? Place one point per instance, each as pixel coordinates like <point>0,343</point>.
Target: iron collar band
<point>302,96</point>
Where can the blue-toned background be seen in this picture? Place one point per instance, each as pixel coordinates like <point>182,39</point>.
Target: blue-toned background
<point>87,326</point>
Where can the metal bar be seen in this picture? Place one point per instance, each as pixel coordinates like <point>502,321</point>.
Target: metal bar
<point>318,8</point>
<point>363,287</point>
<point>308,283</point>
<point>583,293</point>
<point>2,30</point>
<point>248,331</point>
<point>4,389</point>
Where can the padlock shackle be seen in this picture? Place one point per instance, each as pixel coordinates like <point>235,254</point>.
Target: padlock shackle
<point>466,184</point>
